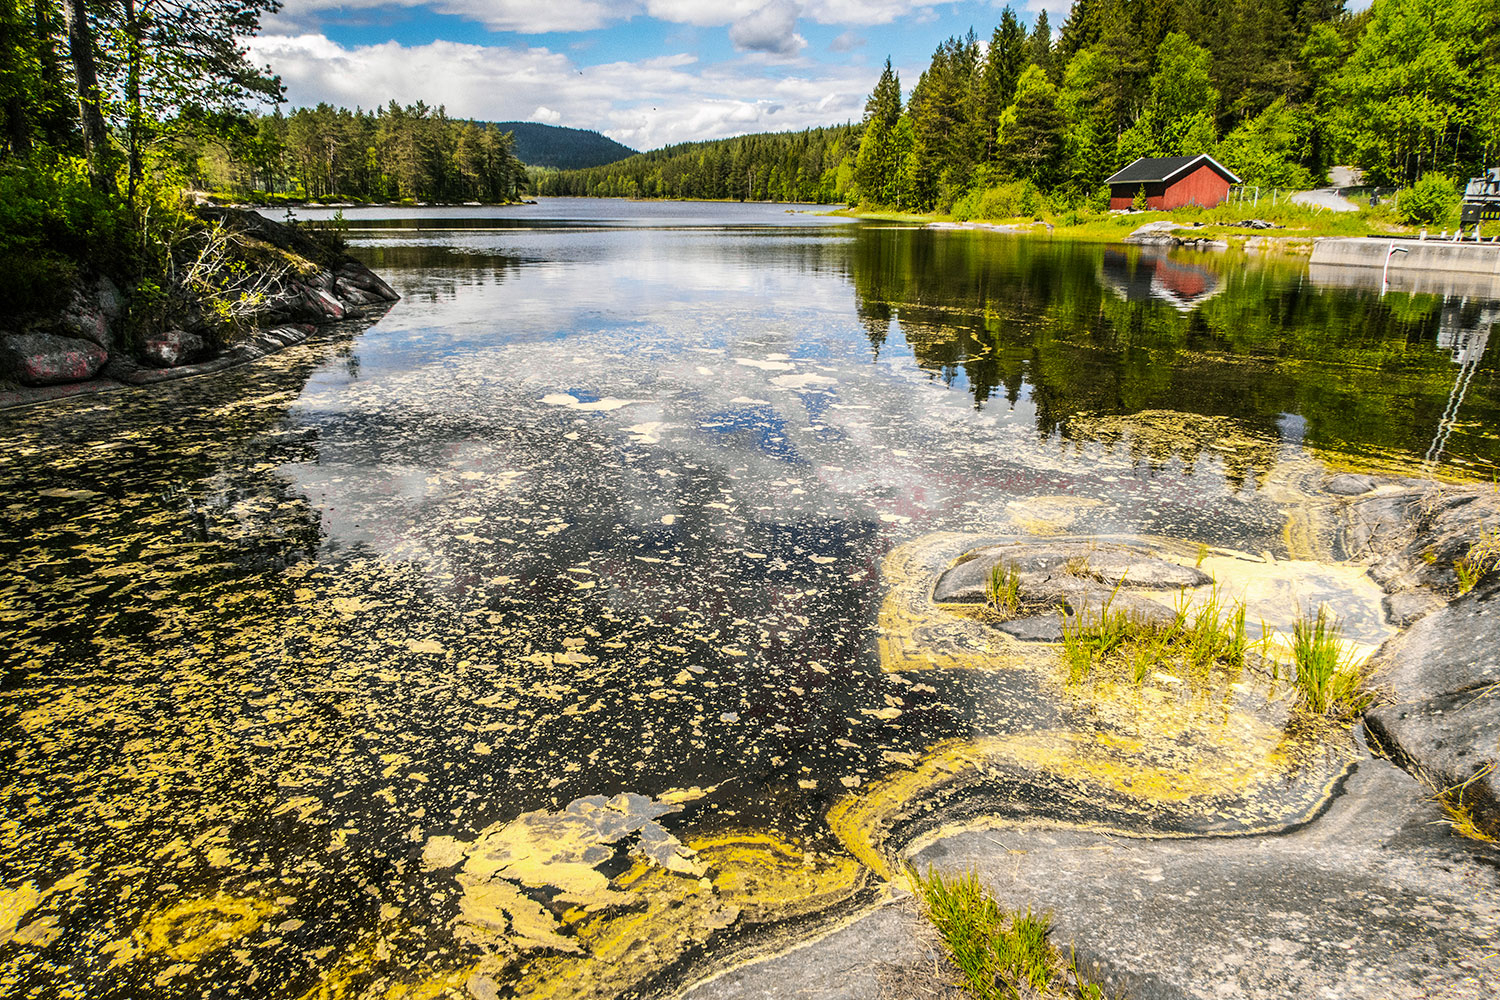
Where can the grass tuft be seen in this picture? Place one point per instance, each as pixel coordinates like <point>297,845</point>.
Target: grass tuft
<point>1002,589</point>
<point>1198,641</point>
<point>1460,813</point>
<point>1327,680</point>
<point>999,953</point>
<point>1483,556</point>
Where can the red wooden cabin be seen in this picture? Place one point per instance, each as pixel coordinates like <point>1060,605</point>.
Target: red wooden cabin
<point>1171,182</point>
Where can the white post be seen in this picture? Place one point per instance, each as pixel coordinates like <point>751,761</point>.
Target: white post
<point>1386,271</point>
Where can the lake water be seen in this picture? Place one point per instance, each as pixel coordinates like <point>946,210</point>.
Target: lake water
<point>537,637</point>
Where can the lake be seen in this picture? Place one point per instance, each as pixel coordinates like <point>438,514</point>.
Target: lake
<point>551,633</point>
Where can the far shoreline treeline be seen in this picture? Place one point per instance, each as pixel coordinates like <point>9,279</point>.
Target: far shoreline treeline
<point>1277,90</point>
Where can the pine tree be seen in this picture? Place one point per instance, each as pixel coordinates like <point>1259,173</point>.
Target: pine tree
<point>1178,119</point>
<point>1003,64</point>
<point>1039,45</point>
<point>1031,131</point>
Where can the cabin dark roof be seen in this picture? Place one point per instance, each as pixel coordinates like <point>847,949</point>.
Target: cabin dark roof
<point>1152,169</point>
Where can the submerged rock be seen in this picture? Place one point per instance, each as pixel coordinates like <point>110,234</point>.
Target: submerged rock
<point>1350,484</point>
<point>1052,571</point>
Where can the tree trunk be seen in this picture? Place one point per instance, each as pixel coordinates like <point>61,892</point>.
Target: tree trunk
<point>90,110</point>
<point>52,100</point>
<point>133,101</point>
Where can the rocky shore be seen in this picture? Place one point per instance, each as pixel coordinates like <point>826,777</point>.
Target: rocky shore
<point>86,346</point>
<point>1389,888</point>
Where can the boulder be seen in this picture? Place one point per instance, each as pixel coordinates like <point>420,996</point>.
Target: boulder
<point>1451,743</point>
<point>368,281</point>
<point>90,312</point>
<point>1450,651</point>
<point>1445,725</point>
<point>324,302</point>
<point>352,293</point>
<point>1349,485</point>
<point>47,359</point>
<point>1038,564</point>
<point>171,348</point>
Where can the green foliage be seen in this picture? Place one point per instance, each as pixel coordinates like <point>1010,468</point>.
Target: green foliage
<point>1179,117</point>
<point>1030,138</point>
<point>54,225</point>
<point>1412,95</point>
<point>394,153</point>
<point>1410,86</point>
<point>1327,680</point>
<point>1433,200</point>
<point>1268,149</point>
<point>999,953</point>
<point>1017,199</point>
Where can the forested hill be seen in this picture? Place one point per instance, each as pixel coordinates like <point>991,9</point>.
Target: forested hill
<point>809,166</point>
<point>539,145</point>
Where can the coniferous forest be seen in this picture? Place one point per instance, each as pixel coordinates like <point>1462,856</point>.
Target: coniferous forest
<point>1277,90</point>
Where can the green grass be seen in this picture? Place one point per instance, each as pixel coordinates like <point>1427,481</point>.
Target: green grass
<point>1197,641</point>
<point>1002,588</point>
<point>999,953</point>
<point>1300,222</point>
<point>1326,678</point>
<point>1483,556</point>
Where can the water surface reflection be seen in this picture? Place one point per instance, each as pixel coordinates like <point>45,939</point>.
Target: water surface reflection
<point>611,508</point>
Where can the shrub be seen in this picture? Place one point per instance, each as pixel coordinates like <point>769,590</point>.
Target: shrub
<point>1001,201</point>
<point>53,224</point>
<point>1432,200</point>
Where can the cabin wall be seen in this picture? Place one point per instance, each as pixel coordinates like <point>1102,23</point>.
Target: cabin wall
<point>1204,186</point>
<point>1123,195</point>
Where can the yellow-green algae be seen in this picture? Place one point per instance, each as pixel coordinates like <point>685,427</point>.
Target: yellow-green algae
<point>192,928</point>
<point>226,722</point>
<point>1223,756</point>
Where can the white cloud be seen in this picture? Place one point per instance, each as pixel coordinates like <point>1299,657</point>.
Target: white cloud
<point>524,16</point>
<point>772,28</point>
<point>643,103</point>
<point>700,13</point>
<point>847,42</point>
<point>531,17</point>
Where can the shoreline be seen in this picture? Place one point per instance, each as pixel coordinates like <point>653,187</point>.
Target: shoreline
<point>1286,239</point>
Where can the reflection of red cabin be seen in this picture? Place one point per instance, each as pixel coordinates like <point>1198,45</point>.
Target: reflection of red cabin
<point>1171,182</point>
<point>1186,283</point>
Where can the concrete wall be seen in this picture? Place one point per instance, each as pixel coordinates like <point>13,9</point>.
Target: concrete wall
<point>1421,255</point>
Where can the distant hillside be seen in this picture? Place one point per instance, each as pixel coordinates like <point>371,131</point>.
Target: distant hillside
<point>814,165</point>
<point>539,145</point>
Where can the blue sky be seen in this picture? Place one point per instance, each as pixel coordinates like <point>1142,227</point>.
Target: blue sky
<point>645,72</point>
